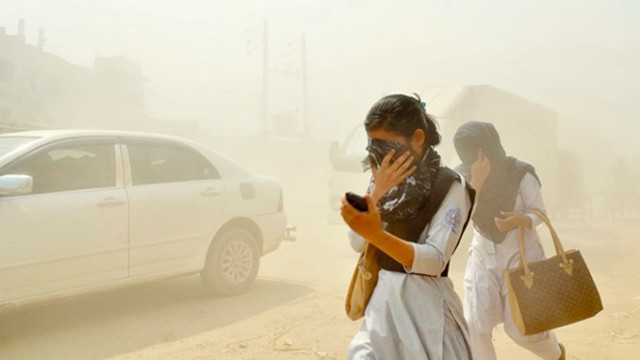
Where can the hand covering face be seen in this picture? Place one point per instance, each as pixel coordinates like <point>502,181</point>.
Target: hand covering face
<point>500,189</point>
<point>404,200</point>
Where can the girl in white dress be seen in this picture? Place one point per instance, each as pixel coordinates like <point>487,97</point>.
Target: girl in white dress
<point>418,210</point>
<point>507,188</point>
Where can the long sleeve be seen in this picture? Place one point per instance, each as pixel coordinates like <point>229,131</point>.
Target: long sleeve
<point>441,236</point>
<point>531,196</point>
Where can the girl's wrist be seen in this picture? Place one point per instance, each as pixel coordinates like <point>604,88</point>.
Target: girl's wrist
<point>375,196</point>
<point>375,236</point>
<point>525,221</point>
<point>476,186</point>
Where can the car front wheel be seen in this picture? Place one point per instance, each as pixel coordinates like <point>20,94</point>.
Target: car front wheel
<point>232,264</point>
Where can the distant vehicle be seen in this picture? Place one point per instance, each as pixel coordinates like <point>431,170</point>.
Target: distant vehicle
<point>82,211</point>
<point>347,172</point>
<point>528,130</point>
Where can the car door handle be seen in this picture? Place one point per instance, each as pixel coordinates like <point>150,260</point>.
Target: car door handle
<point>211,192</point>
<point>111,202</point>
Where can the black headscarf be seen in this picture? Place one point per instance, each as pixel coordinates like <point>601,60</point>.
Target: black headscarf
<point>500,189</point>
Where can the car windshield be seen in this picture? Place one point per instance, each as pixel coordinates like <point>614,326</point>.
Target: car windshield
<point>9,143</point>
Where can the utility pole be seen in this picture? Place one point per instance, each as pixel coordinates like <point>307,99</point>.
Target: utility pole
<point>264,123</point>
<point>21,35</point>
<point>41,39</point>
<point>305,98</point>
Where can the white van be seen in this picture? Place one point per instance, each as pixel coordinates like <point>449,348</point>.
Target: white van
<point>347,172</point>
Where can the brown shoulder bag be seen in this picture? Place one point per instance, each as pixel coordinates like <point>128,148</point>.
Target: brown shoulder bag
<point>551,293</point>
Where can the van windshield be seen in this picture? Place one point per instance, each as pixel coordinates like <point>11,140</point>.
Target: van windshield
<point>355,144</point>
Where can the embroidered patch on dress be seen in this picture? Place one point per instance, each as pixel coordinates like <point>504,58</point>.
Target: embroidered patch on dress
<point>453,219</point>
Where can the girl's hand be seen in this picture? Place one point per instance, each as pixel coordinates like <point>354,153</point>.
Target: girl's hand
<point>391,174</point>
<point>366,223</point>
<point>480,170</point>
<point>511,220</point>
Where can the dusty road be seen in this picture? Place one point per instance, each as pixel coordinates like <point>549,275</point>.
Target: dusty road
<point>295,309</point>
<point>313,326</point>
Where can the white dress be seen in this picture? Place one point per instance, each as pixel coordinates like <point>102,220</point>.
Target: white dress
<point>418,315</point>
<point>485,304</point>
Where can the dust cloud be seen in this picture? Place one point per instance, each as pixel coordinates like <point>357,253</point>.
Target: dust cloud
<point>278,87</point>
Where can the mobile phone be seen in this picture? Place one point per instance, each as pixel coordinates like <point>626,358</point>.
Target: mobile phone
<point>357,201</point>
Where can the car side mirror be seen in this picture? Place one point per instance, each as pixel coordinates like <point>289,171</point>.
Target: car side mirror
<point>15,185</point>
<point>333,151</point>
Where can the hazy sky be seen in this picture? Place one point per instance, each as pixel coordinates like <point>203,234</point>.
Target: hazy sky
<point>202,58</point>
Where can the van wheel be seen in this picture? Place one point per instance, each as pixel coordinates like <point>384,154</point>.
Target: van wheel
<point>232,263</point>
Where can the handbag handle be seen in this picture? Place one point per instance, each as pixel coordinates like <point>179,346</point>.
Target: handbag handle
<point>366,252</point>
<point>566,264</point>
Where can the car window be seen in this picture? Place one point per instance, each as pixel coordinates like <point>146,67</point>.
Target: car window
<point>69,167</point>
<point>164,163</point>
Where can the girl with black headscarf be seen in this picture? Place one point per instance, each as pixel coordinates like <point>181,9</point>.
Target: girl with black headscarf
<point>506,189</point>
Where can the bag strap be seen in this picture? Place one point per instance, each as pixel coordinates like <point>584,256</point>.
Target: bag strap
<point>472,197</point>
<point>368,254</point>
<point>566,264</point>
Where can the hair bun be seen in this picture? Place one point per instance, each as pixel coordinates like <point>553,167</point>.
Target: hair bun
<point>422,104</point>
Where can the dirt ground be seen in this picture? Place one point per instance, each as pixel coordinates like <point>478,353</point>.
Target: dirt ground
<point>295,309</point>
<point>315,327</point>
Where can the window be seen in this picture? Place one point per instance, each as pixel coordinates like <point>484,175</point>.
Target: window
<point>7,71</point>
<point>154,163</point>
<point>69,167</point>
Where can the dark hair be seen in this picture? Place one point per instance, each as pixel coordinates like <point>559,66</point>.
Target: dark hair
<point>402,114</point>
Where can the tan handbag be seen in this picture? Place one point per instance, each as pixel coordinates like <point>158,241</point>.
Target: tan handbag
<point>363,281</point>
<point>551,293</point>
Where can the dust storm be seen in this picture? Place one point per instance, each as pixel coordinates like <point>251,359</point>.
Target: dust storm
<point>262,103</point>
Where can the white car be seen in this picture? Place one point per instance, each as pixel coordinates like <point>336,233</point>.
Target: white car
<point>82,211</point>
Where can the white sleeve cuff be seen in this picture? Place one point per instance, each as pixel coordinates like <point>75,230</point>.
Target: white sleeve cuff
<point>427,260</point>
<point>357,241</point>
<point>535,220</point>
